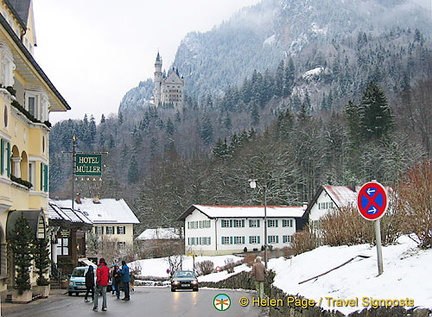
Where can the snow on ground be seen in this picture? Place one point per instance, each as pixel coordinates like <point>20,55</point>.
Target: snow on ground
<point>407,274</point>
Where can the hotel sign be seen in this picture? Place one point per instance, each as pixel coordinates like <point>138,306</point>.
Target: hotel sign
<point>88,164</point>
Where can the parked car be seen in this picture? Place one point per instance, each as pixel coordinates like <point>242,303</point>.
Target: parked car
<point>77,281</point>
<point>184,280</point>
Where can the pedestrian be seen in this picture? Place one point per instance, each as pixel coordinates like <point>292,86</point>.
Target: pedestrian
<point>117,280</point>
<point>90,283</point>
<point>125,277</point>
<point>258,274</point>
<point>102,279</point>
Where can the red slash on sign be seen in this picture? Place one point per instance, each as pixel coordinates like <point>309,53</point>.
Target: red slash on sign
<point>372,201</point>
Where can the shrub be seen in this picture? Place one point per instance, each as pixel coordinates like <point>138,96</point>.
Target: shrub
<point>414,200</point>
<point>345,226</point>
<point>303,241</point>
<point>229,265</point>
<point>205,267</point>
<point>249,259</point>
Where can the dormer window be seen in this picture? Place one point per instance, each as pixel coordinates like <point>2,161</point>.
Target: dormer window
<point>37,105</point>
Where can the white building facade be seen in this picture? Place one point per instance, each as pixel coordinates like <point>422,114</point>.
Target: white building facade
<point>112,218</point>
<point>211,230</point>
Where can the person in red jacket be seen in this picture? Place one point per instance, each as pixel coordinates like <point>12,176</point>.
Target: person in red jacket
<point>102,279</point>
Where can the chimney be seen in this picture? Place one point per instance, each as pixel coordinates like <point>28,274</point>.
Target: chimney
<point>96,200</point>
<point>78,198</point>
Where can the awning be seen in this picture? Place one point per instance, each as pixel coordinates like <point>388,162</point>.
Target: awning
<point>35,218</point>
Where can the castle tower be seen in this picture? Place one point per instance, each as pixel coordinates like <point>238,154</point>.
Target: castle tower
<point>158,78</point>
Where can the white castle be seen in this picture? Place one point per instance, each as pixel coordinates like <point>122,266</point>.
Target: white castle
<point>168,89</point>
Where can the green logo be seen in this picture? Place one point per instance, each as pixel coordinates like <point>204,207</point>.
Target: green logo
<point>222,302</point>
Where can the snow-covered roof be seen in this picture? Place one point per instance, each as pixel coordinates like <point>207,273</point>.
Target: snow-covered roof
<point>245,211</point>
<point>342,195</point>
<point>107,210</point>
<point>67,214</point>
<point>159,233</point>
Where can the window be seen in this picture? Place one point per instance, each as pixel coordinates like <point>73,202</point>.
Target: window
<point>225,240</point>
<point>286,239</point>
<point>272,223</point>
<point>63,246</point>
<point>287,223</point>
<point>238,223</point>
<point>225,223</point>
<point>32,172</point>
<point>121,230</point>
<point>204,224</point>
<point>98,230</point>
<point>254,223</point>
<point>32,106</point>
<point>272,239</point>
<point>238,240</point>
<point>254,239</point>
<point>5,117</point>
<point>109,230</point>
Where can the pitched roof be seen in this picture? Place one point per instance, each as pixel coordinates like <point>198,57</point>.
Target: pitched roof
<point>20,9</point>
<point>159,233</point>
<point>68,215</point>
<point>245,211</point>
<point>108,210</point>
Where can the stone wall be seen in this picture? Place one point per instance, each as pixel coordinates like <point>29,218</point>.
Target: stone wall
<point>243,281</point>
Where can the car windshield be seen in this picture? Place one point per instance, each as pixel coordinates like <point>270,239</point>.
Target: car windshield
<point>78,272</point>
<point>184,274</point>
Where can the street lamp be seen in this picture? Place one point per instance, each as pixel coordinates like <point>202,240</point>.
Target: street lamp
<point>253,185</point>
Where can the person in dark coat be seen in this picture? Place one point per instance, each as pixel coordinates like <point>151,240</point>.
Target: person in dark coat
<point>90,283</point>
<point>258,274</point>
<point>125,277</point>
<point>117,280</point>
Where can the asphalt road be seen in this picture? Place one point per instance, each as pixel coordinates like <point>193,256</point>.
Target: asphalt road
<point>145,301</point>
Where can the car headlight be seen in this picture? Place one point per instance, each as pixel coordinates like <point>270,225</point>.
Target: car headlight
<point>176,282</point>
<point>194,282</point>
<point>71,283</point>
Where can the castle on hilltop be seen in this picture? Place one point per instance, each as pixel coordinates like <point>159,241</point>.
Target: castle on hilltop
<point>168,90</point>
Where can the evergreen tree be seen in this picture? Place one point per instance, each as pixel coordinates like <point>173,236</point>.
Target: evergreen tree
<point>22,246</point>
<point>255,117</point>
<point>42,260</point>
<point>376,119</point>
<point>206,130</point>
<point>133,172</point>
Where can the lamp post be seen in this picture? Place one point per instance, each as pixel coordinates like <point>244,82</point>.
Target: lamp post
<point>253,185</point>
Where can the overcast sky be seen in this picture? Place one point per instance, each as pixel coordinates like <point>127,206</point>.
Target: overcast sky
<point>94,51</point>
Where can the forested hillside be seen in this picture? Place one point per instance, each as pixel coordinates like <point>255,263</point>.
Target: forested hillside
<point>341,109</point>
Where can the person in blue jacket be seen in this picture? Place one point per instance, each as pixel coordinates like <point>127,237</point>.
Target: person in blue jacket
<point>125,277</point>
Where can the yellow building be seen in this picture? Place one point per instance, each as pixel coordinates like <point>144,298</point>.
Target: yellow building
<point>27,97</point>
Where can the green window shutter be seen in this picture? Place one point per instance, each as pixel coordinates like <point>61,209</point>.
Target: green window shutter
<point>243,240</point>
<point>277,223</point>
<point>259,239</point>
<point>2,157</point>
<point>8,154</point>
<point>41,176</point>
<point>46,178</point>
<point>277,239</point>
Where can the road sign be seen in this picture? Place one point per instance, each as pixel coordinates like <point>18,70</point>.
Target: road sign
<point>372,201</point>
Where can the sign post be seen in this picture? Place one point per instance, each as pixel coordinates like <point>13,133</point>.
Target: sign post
<point>372,203</point>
